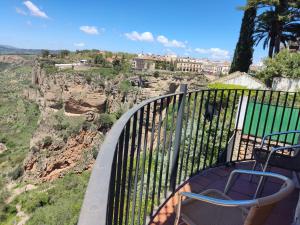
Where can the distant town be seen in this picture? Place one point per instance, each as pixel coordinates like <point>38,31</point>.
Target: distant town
<point>171,62</point>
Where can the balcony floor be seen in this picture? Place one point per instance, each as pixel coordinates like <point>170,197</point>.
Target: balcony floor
<point>216,178</point>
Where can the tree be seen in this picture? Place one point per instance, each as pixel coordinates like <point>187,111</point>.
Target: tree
<point>284,64</point>
<point>244,49</point>
<point>99,59</point>
<point>64,53</point>
<point>277,24</point>
<point>45,53</point>
<point>117,65</point>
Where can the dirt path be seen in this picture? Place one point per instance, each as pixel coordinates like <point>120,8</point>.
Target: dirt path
<point>21,215</point>
<point>17,191</point>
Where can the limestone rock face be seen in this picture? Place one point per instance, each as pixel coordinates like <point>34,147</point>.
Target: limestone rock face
<point>71,94</point>
<point>92,102</point>
<point>12,59</point>
<point>3,148</point>
<point>64,90</point>
<point>54,161</point>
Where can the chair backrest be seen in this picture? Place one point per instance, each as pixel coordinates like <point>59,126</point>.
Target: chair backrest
<point>259,213</point>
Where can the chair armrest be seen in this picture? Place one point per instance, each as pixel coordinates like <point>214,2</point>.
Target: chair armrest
<point>220,202</point>
<point>276,134</point>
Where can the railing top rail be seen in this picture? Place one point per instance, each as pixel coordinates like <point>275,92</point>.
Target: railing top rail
<point>94,207</point>
<point>240,89</point>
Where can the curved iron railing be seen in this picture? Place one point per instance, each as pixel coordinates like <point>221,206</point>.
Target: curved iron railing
<point>157,145</point>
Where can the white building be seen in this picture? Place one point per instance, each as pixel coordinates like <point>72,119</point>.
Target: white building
<point>242,79</point>
<point>188,65</point>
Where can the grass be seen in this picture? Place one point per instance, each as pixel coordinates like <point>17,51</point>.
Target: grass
<point>18,117</point>
<point>18,122</point>
<point>55,203</point>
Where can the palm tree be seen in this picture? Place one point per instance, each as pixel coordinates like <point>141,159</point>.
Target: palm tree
<point>279,24</point>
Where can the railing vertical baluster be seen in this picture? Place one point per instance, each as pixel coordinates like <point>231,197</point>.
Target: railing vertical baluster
<point>119,177</point>
<point>243,126</point>
<point>237,115</point>
<point>191,133</point>
<point>170,148</point>
<point>203,131</point>
<point>150,151</point>
<point>124,170</point>
<point>111,197</point>
<point>259,117</point>
<point>268,112</point>
<point>141,192</point>
<point>197,132</point>
<point>274,118</point>
<point>290,118</point>
<point>184,138</point>
<point>131,164</point>
<point>209,129</point>
<point>157,155</point>
<point>223,125</point>
<point>251,122</point>
<point>230,122</point>
<point>141,117</point>
<point>282,117</point>
<point>296,125</point>
<point>216,130</point>
<point>163,149</point>
<point>180,115</point>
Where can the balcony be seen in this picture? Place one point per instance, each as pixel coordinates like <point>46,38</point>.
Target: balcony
<point>186,141</point>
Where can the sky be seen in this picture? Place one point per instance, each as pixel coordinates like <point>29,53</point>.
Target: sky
<point>202,29</point>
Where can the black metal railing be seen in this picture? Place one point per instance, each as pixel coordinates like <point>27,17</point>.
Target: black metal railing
<point>158,145</point>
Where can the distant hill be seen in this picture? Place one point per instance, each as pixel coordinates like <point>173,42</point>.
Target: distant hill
<point>10,50</point>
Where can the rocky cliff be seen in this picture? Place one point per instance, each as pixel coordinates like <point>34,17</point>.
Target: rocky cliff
<point>70,102</point>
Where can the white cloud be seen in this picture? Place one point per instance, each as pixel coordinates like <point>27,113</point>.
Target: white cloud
<point>80,44</point>
<point>34,10</point>
<point>215,53</point>
<point>89,30</point>
<point>170,43</point>
<point>162,39</point>
<point>21,12</point>
<point>135,36</point>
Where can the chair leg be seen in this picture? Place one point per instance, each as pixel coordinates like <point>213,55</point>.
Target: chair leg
<point>253,168</point>
<point>260,185</point>
<point>178,211</point>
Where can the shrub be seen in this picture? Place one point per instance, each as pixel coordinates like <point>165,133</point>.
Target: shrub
<point>284,64</point>
<point>17,172</point>
<point>34,149</point>
<point>105,121</point>
<point>95,152</point>
<point>59,104</point>
<point>88,79</point>
<point>156,74</point>
<point>47,141</point>
<point>35,200</point>
<point>125,86</point>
